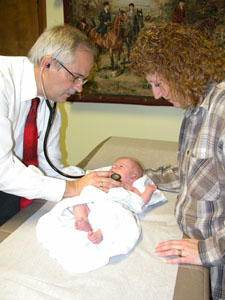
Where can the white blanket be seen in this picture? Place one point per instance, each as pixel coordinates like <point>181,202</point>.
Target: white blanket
<point>71,247</point>
<point>111,212</point>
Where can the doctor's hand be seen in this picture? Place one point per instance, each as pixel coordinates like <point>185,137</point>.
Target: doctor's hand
<point>183,251</point>
<point>99,179</point>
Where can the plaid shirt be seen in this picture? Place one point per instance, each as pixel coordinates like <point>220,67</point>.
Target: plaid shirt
<point>200,180</point>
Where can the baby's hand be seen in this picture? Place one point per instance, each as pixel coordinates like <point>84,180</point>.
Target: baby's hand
<point>151,187</point>
<point>147,194</point>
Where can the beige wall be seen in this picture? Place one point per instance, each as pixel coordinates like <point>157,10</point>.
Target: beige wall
<point>86,125</point>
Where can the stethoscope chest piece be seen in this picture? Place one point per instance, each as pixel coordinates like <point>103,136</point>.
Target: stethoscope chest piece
<point>116,177</point>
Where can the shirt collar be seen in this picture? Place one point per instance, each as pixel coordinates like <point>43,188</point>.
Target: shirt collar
<point>28,82</point>
<point>208,93</point>
<point>205,101</point>
<point>206,96</point>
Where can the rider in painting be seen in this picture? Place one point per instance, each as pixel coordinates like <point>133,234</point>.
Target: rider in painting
<point>104,18</point>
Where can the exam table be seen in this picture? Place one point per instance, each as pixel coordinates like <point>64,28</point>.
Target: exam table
<point>191,282</point>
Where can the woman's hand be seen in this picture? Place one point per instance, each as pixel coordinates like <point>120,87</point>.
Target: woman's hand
<point>99,179</point>
<point>183,251</point>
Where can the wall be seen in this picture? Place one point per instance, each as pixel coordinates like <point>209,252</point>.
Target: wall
<point>85,125</point>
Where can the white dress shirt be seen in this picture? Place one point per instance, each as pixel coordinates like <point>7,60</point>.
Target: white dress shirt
<point>17,88</point>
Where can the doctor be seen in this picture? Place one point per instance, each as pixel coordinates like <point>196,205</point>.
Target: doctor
<point>57,66</point>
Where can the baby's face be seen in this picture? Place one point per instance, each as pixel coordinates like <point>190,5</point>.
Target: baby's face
<point>123,167</point>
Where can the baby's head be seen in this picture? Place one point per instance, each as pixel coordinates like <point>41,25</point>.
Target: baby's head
<point>128,168</point>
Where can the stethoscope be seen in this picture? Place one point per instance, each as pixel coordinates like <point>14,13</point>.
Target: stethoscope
<point>52,111</point>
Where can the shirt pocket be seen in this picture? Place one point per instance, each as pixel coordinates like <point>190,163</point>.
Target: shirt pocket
<point>203,183</point>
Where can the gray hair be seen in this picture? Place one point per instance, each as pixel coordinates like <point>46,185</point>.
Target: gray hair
<point>59,42</point>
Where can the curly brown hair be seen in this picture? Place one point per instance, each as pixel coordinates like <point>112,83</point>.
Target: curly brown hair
<point>182,57</point>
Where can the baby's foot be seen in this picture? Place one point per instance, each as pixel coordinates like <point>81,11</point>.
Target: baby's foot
<point>95,237</point>
<point>83,225</point>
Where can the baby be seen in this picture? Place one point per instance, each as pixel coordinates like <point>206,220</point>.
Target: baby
<point>129,171</point>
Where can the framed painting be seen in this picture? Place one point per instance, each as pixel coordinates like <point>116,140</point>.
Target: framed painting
<point>111,80</point>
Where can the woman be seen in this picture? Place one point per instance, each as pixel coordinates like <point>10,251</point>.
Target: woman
<point>187,70</point>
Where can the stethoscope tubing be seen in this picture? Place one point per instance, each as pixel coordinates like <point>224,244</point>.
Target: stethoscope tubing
<point>52,111</point>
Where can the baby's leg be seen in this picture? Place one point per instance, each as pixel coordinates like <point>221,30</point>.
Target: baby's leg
<point>95,237</point>
<point>147,194</point>
<point>81,213</point>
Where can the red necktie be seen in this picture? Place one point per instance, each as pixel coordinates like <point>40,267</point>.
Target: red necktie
<point>30,142</point>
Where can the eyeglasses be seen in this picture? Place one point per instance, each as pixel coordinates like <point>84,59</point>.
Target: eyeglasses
<point>76,79</point>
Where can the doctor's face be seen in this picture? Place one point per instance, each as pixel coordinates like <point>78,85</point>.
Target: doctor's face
<point>63,80</point>
<point>160,89</point>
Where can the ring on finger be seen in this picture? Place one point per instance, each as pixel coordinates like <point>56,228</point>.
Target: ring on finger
<point>179,252</point>
<point>101,184</point>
